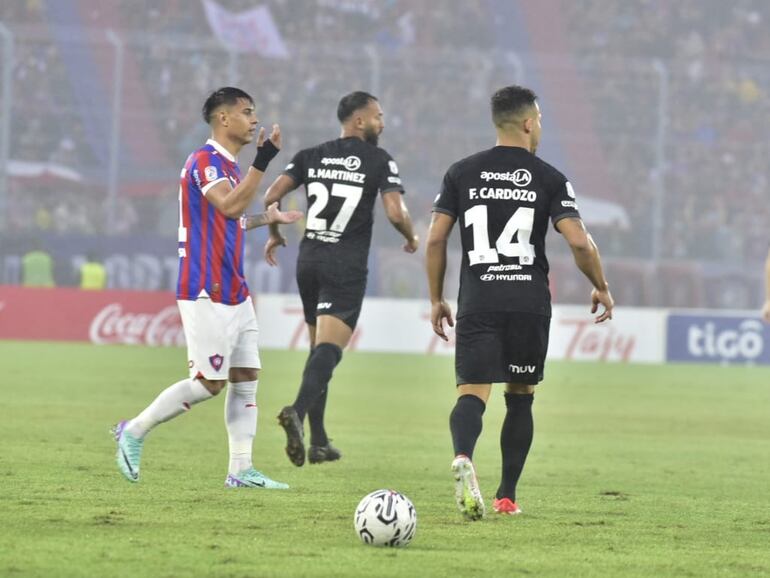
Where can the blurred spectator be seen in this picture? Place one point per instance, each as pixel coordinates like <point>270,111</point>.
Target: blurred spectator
<point>93,275</point>
<point>37,269</point>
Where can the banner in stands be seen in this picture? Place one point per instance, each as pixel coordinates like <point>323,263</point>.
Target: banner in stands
<point>633,334</point>
<point>386,325</point>
<point>129,317</point>
<point>717,339</point>
<point>403,325</point>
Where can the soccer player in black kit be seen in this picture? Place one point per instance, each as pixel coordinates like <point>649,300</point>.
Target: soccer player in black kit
<point>343,179</point>
<point>503,198</point>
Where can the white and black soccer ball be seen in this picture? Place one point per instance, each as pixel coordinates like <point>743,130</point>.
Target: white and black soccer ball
<point>385,518</point>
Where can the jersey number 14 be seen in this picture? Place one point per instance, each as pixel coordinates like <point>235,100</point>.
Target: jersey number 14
<point>520,224</point>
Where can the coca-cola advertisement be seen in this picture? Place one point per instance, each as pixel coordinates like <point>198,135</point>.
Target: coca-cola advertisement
<point>129,317</point>
<point>386,325</point>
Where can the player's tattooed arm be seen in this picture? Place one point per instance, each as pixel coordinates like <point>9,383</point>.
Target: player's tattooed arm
<point>282,186</point>
<point>273,215</point>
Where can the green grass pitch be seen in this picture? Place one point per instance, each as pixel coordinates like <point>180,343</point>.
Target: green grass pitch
<point>635,471</point>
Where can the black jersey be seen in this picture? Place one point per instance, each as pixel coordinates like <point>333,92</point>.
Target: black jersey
<point>342,178</point>
<point>503,198</point>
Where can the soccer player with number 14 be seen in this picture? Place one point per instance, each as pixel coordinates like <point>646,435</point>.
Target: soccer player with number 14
<point>503,198</point>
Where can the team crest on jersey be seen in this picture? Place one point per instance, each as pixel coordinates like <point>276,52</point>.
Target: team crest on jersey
<point>216,361</point>
<point>521,177</point>
<point>211,173</point>
<point>352,163</point>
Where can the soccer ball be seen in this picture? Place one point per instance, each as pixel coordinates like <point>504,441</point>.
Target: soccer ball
<point>385,518</point>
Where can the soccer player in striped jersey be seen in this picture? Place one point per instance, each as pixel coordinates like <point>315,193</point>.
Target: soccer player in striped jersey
<point>217,312</point>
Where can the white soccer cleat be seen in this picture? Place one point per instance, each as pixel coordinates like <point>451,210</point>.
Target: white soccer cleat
<point>467,492</point>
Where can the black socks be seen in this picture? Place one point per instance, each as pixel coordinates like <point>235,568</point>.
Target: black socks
<point>515,441</point>
<point>315,416</point>
<point>465,423</point>
<point>316,377</point>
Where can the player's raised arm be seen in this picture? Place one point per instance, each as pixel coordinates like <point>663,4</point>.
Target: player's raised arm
<point>281,187</point>
<point>435,260</point>
<point>399,217</point>
<point>233,201</point>
<point>586,255</point>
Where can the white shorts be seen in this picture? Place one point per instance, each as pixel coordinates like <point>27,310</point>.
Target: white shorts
<point>219,337</point>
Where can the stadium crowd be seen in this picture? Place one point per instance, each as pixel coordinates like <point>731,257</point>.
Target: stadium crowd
<point>430,68</point>
<point>716,174</point>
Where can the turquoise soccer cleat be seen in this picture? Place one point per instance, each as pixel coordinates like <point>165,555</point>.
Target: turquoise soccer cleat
<point>251,478</point>
<point>129,452</point>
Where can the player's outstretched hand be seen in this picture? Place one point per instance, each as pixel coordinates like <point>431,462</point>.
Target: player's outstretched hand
<point>273,242</point>
<point>602,298</point>
<point>275,215</point>
<point>766,311</point>
<point>412,245</point>
<point>438,312</point>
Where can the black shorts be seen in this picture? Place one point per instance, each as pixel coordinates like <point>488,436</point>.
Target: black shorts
<point>501,347</point>
<point>331,289</point>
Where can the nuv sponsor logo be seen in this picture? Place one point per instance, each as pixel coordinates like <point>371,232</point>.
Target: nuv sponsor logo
<point>717,339</point>
<point>522,368</point>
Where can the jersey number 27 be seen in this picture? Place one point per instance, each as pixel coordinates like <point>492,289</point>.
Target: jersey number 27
<point>520,224</point>
<point>352,196</point>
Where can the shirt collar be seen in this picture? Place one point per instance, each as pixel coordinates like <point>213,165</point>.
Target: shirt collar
<point>221,150</point>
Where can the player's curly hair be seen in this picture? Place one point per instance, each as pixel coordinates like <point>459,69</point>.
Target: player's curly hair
<point>227,95</point>
<point>352,102</point>
<point>509,102</point>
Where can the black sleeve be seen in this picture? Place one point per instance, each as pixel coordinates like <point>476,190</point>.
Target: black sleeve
<point>389,179</point>
<point>447,198</point>
<point>296,168</point>
<point>563,202</point>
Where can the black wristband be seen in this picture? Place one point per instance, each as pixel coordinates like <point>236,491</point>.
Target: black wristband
<point>265,153</point>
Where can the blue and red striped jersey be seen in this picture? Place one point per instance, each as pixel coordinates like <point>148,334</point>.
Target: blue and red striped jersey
<point>210,244</point>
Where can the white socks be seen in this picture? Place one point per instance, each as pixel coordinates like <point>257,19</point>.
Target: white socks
<point>240,415</point>
<point>241,422</point>
<point>171,402</point>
